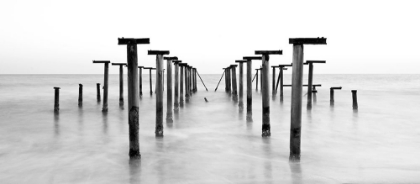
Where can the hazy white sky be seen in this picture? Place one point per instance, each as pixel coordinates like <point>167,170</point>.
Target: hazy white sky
<point>63,37</point>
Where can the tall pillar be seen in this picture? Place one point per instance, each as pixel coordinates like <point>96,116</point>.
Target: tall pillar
<point>169,88</point>
<point>249,86</point>
<point>241,83</point>
<point>121,99</point>
<point>176,101</point>
<point>234,84</point>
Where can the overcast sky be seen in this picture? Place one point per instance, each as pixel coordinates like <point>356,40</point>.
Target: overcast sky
<point>63,37</point>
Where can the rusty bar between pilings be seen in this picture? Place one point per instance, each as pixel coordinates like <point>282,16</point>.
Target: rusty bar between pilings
<point>332,93</point>
<point>105,86</point>
<point>98,92</point>
<point>354,96</point>
<point>176,93</point>
<point>133,93</point>
<point>121,97</point>
<point>265,89</point>
<point>159,90</point>
<point>310,80</point>
<point>297,81</point>
<point>56,99</point>
<point>80,100</point>
<point>141,80</point>
<point>169,104</point>
<point>249,85</point>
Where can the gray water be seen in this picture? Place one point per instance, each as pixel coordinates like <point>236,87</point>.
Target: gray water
<point>209,142</point>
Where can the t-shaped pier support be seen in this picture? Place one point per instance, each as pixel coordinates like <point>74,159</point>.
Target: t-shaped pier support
<point>265,90</point>
<point>297,78</point>
<point>121,82</point>
<point>310,80</point>
<point>106,74</point>
<point>133,92</point>
<point>169,88</point>
<point>159,90</point>
<point>249,85</point>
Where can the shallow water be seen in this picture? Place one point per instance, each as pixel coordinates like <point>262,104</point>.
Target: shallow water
<point>209,142</point>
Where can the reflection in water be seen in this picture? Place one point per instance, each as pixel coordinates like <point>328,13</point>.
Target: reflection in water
<point>355,115</point>
<point>135,169</point>
<point>56,124</point>
<point>105,122</point>
<point>296,173</point>
<point>80,120</point>
<point>267,165</point>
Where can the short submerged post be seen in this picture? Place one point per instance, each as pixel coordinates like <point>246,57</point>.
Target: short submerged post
<point>159,90</point>
<point>297,78</point>
<point>354,95</point>
<point>141,80</point>
<point>332,94</point>
<point>80,101</point>
<point>310,80</point>
<point>234,85</point>
<point>106,74</point>
<point>169,88</point>
<point>241,83</point>
<point>176,102</point>
<point>133,93</point>
<point>56,99</point>
<point>249,86</point>
<point>265,90</point>
<point>98,92</point>
<point>121,99</point>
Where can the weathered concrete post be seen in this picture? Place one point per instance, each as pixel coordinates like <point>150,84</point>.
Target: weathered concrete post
<point>80,101</point>
<point>187,85</point>
<point>189,81</point>
<point>332,94</point>
<point>195,79</point>
<point>234,84</point>
<point>241,83</point>
<point>56,99</point>
<point>265,90</point>
<point>169,88</point>
<point>296,106</point>
<point>354,95</point>
<point>159,90</point>
<point>314,91</point>
<point>226,79</point>
<point>281,67</point>
<point>256,75</point>
<point>274,79</point>
<point>176,103</point>
<point>121,82</point>
<point>133,93</point>
<point>98,92</point>
<point>229,80</point>
<point>141,80</point>
<point>181,86</point>
<point>310,80</point>
<point>106,74</point>
<point>163,80</point>
<point>150,78</point>
<point>249,86</point>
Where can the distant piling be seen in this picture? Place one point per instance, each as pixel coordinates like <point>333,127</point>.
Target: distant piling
<point>169,109</point>
<point>141,80</point>
<point>121,97</point>
<point>297,78</point>
<point>281,78</point>
<point>241,83</point>
<point>310,80</point>
<point>80,100</point>
<point>354,95</point>
<point>98,92</point>
<point>265,90</point>
<point>56,99</point>
<point>187,85</point>
<point>176,101</point>
<point>106,75</point>
<point>181,85</point>
<point>332,94</point>
<point>133,93</point>
<point>150,78</point>
<point>229,80</point>
<point>256,75</point>
<point>234,84</point>
<point>249,86</point>
<point>159,90</point>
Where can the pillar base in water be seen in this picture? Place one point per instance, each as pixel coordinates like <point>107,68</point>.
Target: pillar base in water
<point>104,110</point>
<point>159,131</point>
<point>266,130</point>
<point>249,118</point>
<point>294,157</point>
<point>134,154</point>
<point>169,119</point>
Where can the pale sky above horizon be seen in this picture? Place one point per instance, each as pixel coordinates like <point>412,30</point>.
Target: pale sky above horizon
<point>63,37</point>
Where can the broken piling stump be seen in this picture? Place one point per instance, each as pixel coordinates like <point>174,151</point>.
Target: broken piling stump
<point>354,96</point>
<point>106,74</point>
<point>133,93</point>
<point>98,92</point>
<point>56,99</point>
<point>80,100</point>
<point>297,78</point>
<point>265,90</point>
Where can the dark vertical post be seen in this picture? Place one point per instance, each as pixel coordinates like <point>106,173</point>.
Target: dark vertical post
<point>256,75</point>
<point>106,73</point>
<point>98,92</point>
<point>241,83</point>
<point>195,79</point>
<point>141,80</point>
<point>150,78</point>
<point>249,86</point>
<point>159,90</point>
<point>234,84</point>
<point>226,79</point>
<point>121,82</point>
<point>163,80</point>
<point>187,95</point>
<point>56,99</point>
<point>296,106</point>
<point>310,81</point>
<point>354,95</point>
<point>169,88</point>
<point>229,80</point>
<point>80,101</point>
<point>282,67</point>
<point>274,80</point>
<point>265,90</point>
<point>181,86</point>
<point>176,103</point>
<point>133,93</point>
<point>331,95</point>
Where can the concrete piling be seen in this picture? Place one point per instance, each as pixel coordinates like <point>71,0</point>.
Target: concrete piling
<point>310,80</point>
<point>150,78</point>
<point>181,86</point>
<point>80,100</point>
<point>296,106</point>
<point>121,99</point>
<point>241,83</point>
<point>141,80</point>
<point>354,95</point>
<point>98,92</point>
<point>176,101</point>
<point>133,93</point>
<point>234,84</point>
<point>56,99</point>
<point>265,90</point>
<point>159,90</point>
<point>169,60</point>
<point>249,86</point>
<point>106,75</point>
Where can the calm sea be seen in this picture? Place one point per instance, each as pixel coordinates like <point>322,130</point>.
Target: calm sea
<point>209,142</point>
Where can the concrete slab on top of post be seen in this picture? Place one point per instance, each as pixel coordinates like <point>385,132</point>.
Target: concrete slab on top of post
<point>252,58</point>
<point>311,41</point>
<point>140,66</point>
<point>150,68</point>
<point>158,52</point>
<point>171,58</point>
<point>336,87</point>
<point>101,61</point>
<point>285,65</point>
<point>126,41</point>
<point>119,64</point>
<point>177,61</point>
<point>314,61</point>
<point>316,85</point>
<point>241,61</point>
<point>263,52</point>
<point>56,87</point>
